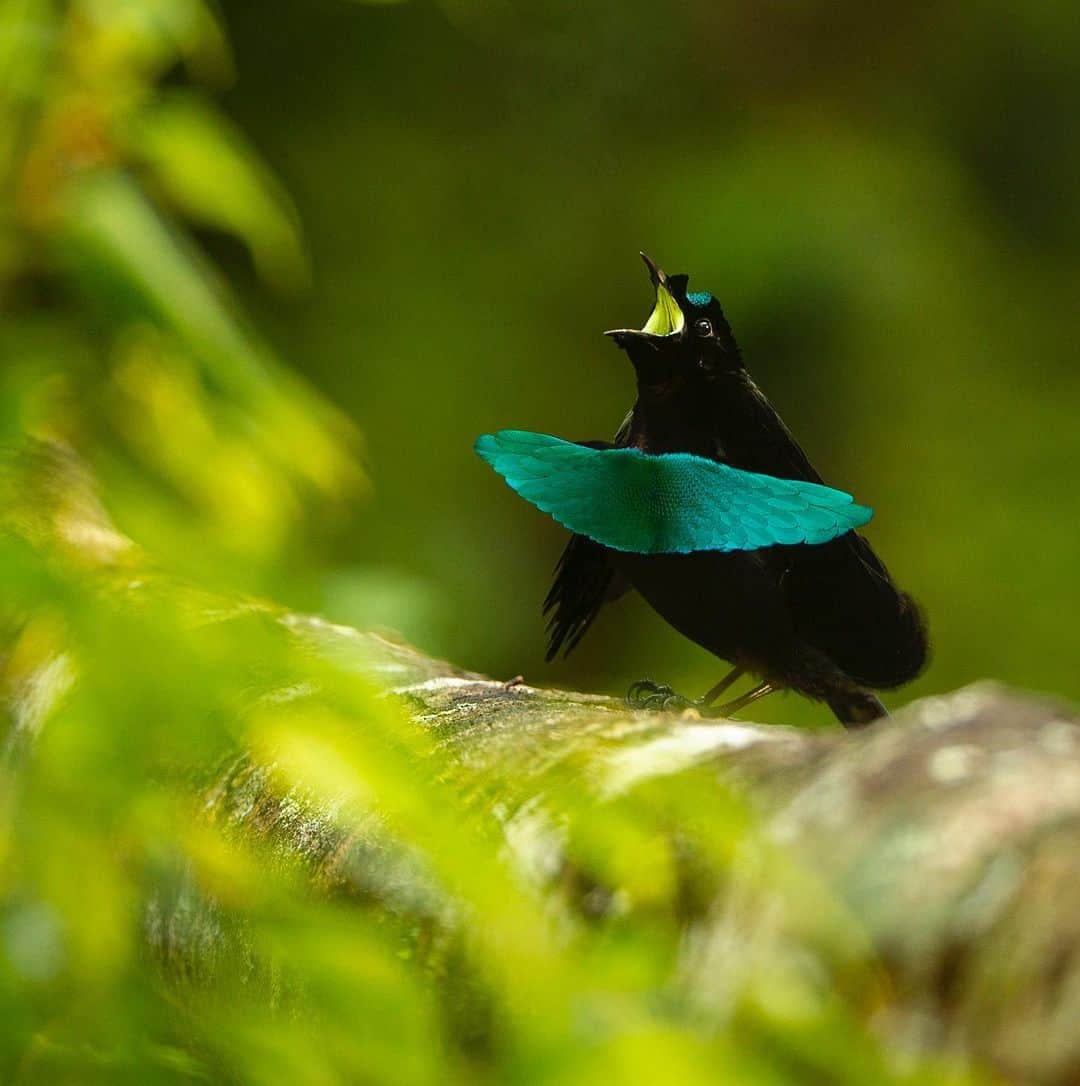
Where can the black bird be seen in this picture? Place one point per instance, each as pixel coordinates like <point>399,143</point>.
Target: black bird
<point>767,574</point>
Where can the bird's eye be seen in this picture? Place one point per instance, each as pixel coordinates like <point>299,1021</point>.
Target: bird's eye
<point>703,327</point>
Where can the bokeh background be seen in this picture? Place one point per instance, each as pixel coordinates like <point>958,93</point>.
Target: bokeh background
<point>266,270</point>
<point>886,199</point>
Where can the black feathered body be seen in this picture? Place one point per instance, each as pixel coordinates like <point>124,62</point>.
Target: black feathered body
<point>826,620</point>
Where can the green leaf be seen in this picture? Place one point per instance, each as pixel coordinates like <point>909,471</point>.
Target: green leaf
<point>210,173</point>
<point>141,266</point>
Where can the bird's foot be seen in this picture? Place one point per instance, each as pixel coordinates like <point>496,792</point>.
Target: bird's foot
<point>645,694</point>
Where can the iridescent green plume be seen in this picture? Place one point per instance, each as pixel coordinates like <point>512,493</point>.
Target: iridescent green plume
<point>675,503</point>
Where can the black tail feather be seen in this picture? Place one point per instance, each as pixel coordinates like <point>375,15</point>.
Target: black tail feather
<point>854,708</point>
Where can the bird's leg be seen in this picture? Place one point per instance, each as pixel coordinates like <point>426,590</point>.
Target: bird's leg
<point>744,700</point>
<point>715,692</point>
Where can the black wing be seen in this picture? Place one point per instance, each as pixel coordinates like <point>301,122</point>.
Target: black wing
<point>840,594</point>
<point>584,581</point>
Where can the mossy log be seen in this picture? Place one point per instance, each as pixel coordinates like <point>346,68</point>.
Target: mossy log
<point>951,831</point>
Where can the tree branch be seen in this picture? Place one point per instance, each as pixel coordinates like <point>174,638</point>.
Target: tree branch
<point>951,831</point>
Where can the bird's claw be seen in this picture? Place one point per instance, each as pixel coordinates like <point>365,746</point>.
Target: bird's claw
<point>676,702</point>
<point>645,694</point>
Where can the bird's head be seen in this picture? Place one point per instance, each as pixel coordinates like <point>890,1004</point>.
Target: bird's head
<point>686,341</point>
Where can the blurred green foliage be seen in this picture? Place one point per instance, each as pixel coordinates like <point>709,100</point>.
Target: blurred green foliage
<point>142,941</point>
<point>148,367</point>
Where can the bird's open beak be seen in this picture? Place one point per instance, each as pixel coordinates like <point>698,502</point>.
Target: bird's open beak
<point>666,319</point>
